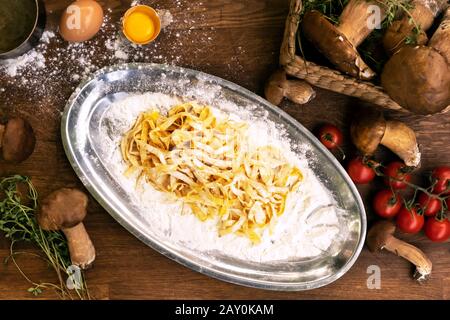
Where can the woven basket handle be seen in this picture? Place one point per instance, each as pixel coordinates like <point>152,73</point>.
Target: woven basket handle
<point>287,53</point>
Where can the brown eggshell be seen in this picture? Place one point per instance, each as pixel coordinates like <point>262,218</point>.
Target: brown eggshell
<point>81,21</point>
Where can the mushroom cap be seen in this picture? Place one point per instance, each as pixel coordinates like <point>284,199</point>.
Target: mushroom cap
<point>379,234</point>
<point>279,87</point>
<point>275,87</point>
<point>418,78</point>
<point>299,91</point>
<point>368,130</point>
<point>18,140</point>
<point>62,209</point>
<point>334,45</point>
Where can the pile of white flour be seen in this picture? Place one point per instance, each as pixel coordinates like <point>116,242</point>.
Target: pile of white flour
<point>307,228</point>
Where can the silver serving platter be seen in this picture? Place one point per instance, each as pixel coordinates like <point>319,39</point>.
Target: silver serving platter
<point>80,134</point>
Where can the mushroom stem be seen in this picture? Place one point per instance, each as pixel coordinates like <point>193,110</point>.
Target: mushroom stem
<point>82,251</point>
<point>441,37</point>
<point>279,87</point>
<point>401,140</point>
<point>299,91</point>
<point>413,255</point>
<point>353,22</point>
<point>381,236</point>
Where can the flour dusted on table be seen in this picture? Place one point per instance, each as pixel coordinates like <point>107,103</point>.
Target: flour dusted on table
<point>307,228</point>
<point>47,75</point>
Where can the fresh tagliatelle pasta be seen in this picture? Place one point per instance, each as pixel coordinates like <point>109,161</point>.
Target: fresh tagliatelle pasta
<point>206,162</point>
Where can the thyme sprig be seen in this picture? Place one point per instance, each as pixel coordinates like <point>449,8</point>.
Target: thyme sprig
<point>18,223</point>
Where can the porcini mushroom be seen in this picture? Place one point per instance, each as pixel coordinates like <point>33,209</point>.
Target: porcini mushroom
<point>339,43</point>
<point>64,210</point>
<point>17,140</point>
<point>371,129</point>
<point>381,236</point>
<point>418,78</point>
<point>279,87</point>
<point>420,16</point>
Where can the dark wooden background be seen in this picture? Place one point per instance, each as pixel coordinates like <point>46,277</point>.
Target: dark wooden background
<point>238,41</point>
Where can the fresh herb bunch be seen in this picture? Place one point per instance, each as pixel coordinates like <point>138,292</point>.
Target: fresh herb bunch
<point>18,223</point>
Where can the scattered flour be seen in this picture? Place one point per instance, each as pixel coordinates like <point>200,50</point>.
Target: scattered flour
<point>166,18</point>
<point>306,229</point>
<point>52,70</point>
<point>122,49</point>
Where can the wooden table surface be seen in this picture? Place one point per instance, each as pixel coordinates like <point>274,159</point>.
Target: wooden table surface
<point>238,41</point>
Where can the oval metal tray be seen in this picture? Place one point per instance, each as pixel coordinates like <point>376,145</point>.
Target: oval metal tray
<point>80,134</point>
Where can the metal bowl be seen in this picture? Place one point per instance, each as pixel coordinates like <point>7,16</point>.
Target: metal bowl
<point>39,20</point>
<point>81,123</point>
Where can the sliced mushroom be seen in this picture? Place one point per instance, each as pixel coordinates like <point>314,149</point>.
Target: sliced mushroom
<point>381,236</point>
<point>339,43</point>
<point>418,78</point>
<point>65,209</point>
<point>279,87</point>
<point>421,15</point>
<point>371,129</point>
<point>17,140</point>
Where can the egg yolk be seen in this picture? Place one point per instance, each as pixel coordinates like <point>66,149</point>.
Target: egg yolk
<point>139,27</point>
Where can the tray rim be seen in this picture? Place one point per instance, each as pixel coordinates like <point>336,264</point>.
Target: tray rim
<point>206,270</point>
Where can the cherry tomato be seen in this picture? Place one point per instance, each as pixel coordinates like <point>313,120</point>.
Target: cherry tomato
<point>441,177</point>
<point>429,205</point>
<point>330,136</point>
<point>360,172</point>
<point>409,221</point>
<point>437,230</point>
<point>396,175</point>
<point>447,201</point>
<point>387,204</point>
